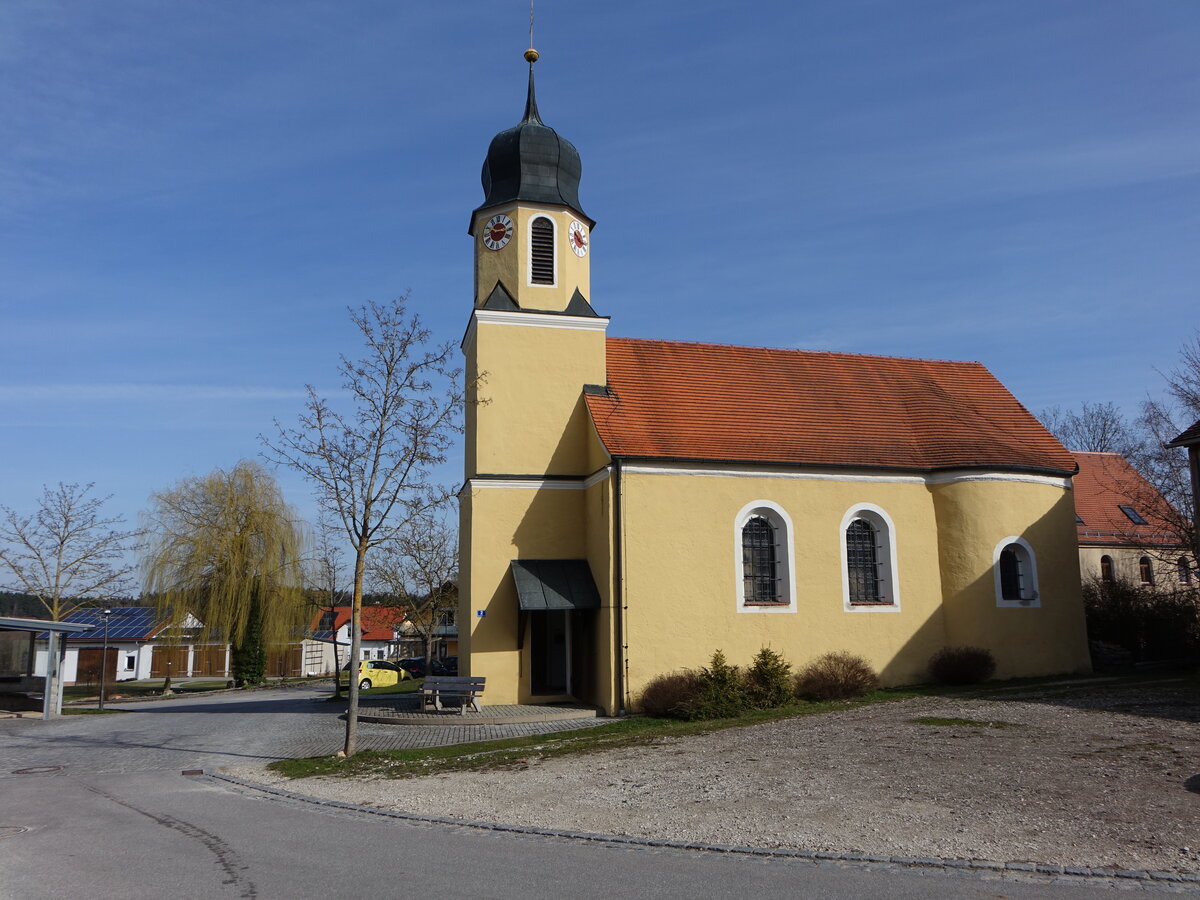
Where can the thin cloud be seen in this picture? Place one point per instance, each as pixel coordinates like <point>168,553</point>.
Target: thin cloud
<point>130,391</point>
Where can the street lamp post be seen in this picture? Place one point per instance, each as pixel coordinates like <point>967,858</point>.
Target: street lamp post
<point>104,614</point>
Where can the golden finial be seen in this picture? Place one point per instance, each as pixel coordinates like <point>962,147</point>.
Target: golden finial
<point>531,55</point>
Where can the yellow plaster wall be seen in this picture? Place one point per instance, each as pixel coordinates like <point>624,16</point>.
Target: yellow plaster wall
<point>973,518</point>
<point>511,263</point>
<point>503,524</point>
<point>531,418</point>
<point>599,512</point>
<point>1126,564</point>
<point>680,571</point>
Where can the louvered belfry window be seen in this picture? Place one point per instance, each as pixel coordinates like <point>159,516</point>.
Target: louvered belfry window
<point>541,251</point>
<point>759,565</point>
<point>862,562</point>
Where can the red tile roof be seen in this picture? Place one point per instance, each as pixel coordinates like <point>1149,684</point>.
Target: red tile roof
<point>379,622</point>
<point>673,400</point>
<point>1105,483</point>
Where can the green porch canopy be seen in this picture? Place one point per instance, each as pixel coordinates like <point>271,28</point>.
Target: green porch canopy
<point>550,584</point>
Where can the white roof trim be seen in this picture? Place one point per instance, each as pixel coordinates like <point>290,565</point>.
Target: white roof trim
<point>532,320</point>
<point>850,475</point>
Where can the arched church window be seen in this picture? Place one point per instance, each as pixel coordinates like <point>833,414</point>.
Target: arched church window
<point>1146,570</point>
<point>869,574</point>
<point>1106,570</point>
<point>764,559</point>
<point>862,561</point>
<point>760,564</point>
<point>1184,565</point>
<point>541,251</point>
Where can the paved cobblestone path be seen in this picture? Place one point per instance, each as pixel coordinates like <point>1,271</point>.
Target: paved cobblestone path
<point>222,730</point>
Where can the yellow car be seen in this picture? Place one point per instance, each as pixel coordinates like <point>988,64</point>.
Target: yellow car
<point>374,673</point>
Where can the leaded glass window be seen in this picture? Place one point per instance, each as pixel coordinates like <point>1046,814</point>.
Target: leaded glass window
<point>862,562</point>
<point>760,566</point>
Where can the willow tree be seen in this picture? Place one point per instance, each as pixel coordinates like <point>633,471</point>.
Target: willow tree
<point>226,548</point>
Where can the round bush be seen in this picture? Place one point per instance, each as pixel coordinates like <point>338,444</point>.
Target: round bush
<point>671,695</point>
<point>836,676</point>
<point>962,665</point>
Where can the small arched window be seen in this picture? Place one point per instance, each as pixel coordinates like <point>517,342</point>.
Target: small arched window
<point>541,251</point>
<point>1185,570</point>
<point>760,566</point>
<point>1146,570</point>
<point>1106,570</point>
<point>1015,574</point>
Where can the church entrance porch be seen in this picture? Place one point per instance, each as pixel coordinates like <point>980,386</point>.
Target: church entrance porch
<point>558,603</point>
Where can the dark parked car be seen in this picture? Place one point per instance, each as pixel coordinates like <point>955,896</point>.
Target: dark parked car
<point>413,665</point>
<point>446,666</point>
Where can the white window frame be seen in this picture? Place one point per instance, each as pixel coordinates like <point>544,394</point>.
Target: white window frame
<point>885,531</point>
<point>553,249</point>
<point>1029,572</point>
<point>785,556</point>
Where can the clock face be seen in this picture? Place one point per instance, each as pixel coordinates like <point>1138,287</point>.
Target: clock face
<point>497,232</point>
<point>577,237</point>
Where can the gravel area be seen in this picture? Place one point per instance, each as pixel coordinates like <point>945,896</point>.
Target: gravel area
<point>1099,778</point>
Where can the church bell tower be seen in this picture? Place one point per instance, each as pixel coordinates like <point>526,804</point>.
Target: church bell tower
<point>532,346</point>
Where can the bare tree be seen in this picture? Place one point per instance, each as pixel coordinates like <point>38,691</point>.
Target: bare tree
<point>1094,428</point>
<point>1101,427</point>
<point>1163,420</point>
<point>420,569</point>
<point>326,578</point>
<point>226,548</point>
<point>68,552</point>
<point>373,464</point>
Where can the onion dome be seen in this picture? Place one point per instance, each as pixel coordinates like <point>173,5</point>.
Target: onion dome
<point>532,162</point>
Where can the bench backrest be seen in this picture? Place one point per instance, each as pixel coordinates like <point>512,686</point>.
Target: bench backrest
<point>454,683</point>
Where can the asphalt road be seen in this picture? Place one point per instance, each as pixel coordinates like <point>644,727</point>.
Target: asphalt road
<point>118,820</point>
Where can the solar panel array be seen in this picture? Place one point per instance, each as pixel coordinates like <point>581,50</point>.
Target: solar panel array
<point>129,623</point>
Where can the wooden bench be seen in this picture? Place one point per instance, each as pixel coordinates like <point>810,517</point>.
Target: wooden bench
<point>452,690</point>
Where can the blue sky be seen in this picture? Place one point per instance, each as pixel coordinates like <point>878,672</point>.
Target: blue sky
<point>191,193</point>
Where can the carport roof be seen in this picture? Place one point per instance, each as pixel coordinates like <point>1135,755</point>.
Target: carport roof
<point>42,625</point>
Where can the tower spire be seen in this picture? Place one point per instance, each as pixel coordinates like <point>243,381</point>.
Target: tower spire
<point>531,110</point>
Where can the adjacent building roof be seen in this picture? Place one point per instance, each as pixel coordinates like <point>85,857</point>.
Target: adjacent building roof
<point>1111,496</point>
<point>1188,438</point>
<point>379,622</point>
<point>686,401</point>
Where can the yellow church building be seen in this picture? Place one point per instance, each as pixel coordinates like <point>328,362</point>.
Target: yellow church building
<point>630,506</point>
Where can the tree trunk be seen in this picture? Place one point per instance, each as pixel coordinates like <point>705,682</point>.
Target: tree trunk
<point>360,559</point>
<point>249,658</point>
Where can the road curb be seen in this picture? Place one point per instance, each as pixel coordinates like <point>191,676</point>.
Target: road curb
<point>1115,876</point>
